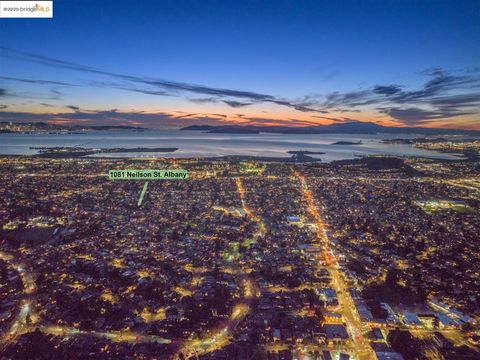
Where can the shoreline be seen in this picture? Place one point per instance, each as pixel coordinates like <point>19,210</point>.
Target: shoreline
<point>238,158</point>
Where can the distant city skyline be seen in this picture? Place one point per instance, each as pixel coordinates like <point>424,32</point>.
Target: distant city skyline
<point>167,64</point>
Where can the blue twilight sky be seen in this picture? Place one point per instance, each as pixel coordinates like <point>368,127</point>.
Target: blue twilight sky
<point>171,63</point>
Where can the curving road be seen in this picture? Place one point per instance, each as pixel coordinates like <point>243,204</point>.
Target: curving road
<point>21,323</point>
<point>219,338</point>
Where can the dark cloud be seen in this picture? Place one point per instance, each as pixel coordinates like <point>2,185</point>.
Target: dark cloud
<point>444,95</point>
<point>75,108</point>
<point>156,86</point>
<point>387,90</point>
<point>440,84</point>
<point>454,101</point>
<point>190,115</point>
<point>330,118</point>
<point>204,90</point>
<point>347,110</point>
<point>303,107</point>
<point>308,103</point>
<point>2,106</point>
<point>145,91</point>
<point>3,92</point>
<point>57,94</point>
<point>36,81</point>
<point>204,100</point>
<point>139,118</point>
<point>111,117</point>
<point>275,122</point>
<point>348,99</point>
<point>46,105</point>
<point>416,116</point>
<point>236,104</point>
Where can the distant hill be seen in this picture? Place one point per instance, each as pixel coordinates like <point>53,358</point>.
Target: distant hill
<point>224,129</point>
<point>347,143</point>
<point>233,130</point>
<point>354,127</point>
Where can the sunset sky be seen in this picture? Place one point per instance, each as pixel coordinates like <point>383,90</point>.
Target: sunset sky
<point>296,63</point>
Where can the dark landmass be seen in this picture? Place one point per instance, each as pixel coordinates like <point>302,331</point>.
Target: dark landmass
<point>469,151</point>
<point>347,143</point>
<point>305,152</point>
<point>233,130</point>
<point>397,141</point>
<point>425,140</point>
<point>116,127</point>
<point>43,126</point>
<point>5,131</point>
<point>297,156</point>
<point>373,162</point>
<point>137,149</point>
<point>413,141</point>
<point>354,127</point>
<point>302,155</point>
<point>294,158</point>
<point>381,163</point>
<point>64,155</point>
<point>199,127</point>
<point>470,155</point>
<point>224,129</point>
<point>68,152</point>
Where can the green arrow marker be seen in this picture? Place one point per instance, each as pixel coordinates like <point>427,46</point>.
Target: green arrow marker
<point>147,174</point>
<point>142,194</point>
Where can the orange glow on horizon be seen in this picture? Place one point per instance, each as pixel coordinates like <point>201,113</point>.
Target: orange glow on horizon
<point>213,115</point>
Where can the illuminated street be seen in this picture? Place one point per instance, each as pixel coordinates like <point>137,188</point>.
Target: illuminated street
<point>25,316</point>
<point>219,338</point>
<point>360,346</point>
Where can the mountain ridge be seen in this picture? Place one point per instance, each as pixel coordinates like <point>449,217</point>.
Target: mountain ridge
<point>343,128</point>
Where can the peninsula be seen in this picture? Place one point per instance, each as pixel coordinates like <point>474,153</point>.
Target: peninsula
<point>74,151</point>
